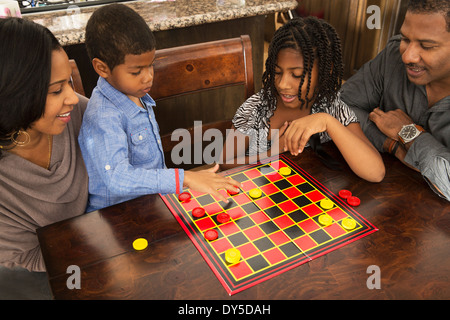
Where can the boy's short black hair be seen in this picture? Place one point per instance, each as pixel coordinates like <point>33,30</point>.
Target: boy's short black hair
<point>115,30</point>
<point>431,6</point>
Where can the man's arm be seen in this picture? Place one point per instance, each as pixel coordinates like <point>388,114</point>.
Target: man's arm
<point>425,153</point>
<point>363,93</point>
<point>432,159</point>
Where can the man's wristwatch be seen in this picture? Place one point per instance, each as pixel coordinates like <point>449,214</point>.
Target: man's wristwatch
<point>409,132</point>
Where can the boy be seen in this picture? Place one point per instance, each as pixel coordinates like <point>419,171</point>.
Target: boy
<point>119,138</point>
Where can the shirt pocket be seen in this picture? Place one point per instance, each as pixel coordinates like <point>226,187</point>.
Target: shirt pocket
<point>143,147</point>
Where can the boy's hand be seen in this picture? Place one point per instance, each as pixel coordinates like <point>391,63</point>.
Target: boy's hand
<point>210,182</point>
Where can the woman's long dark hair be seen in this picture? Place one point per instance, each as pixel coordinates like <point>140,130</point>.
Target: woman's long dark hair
<point>25,70</point>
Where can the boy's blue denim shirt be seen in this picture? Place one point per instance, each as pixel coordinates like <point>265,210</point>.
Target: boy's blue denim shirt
<point>122,149</point>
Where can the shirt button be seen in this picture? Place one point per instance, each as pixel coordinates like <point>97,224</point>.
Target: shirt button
<point>107,167</point>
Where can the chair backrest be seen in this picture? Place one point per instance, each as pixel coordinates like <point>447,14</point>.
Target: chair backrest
<point>203,66</point>
<point>76,78</point>
<point>199,67</point>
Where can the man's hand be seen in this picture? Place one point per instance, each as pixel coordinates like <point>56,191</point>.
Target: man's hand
<point>391,122</point>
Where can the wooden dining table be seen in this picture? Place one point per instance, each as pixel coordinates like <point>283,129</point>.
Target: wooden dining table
<point>407,258</point>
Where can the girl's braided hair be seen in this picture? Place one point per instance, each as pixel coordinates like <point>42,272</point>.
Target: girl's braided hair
<point>314,39</point>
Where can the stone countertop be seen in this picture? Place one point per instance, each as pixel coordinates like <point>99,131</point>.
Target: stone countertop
<point>68,25</point>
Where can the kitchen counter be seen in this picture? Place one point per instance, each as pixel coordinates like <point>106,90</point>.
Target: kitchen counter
<point>68,25</point>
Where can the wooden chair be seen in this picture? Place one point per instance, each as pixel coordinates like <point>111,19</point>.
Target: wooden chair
<point>199,67</point>
<point>76,78</point>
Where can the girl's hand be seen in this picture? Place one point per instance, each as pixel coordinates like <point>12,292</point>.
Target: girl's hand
<point>210,182</point>
<point>300,130</point>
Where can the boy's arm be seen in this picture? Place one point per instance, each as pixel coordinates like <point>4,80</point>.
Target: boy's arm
<point>105,149</point>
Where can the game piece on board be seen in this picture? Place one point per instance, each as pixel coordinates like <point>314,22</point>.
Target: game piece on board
<point>353,201</point>
<point>348,223</point>
<point>232,193</point>
<point>232,255</point>
<point>255,193</point>
<point>285,171</point>
<point>140,244</point>
<point>326,204</point>
<point>198,212</point>
<point>223,217</point>
<point>211,235</point>
<point>255,223</point>
<point>184,196</point>
<point>344,194</point>
<point>325,220</point>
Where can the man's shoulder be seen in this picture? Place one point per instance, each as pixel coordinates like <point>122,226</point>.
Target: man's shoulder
<point>393,45</point>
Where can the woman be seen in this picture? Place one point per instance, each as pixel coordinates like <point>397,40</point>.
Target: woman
<point>42,175</point>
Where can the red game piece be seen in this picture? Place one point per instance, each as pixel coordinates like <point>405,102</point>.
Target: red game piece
<point>344,194</point>
<point>211,235</point>
<point>184,196</point>
<point>353,201</point>
<point>247,225</point>
<point>198,212</point>
<point>232,193</point>
<point>223,217</point>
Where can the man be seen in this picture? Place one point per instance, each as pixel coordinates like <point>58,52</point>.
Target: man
<point>402,96</point>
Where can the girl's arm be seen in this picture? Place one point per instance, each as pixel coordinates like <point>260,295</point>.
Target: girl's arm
<point>361,156</point>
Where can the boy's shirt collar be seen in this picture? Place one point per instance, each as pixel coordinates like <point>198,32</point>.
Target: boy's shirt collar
<point>121,100</point>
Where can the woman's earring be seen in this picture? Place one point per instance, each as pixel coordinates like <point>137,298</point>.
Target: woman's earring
<point>18,134</point>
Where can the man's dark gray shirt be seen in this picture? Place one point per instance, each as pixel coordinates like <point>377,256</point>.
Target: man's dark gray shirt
<point>383,83</point>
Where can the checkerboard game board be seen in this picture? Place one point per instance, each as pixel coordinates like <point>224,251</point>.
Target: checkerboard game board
<point>275,232</point>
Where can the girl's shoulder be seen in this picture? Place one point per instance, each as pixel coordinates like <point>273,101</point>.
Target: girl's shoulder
<point>252,104</point>
<point>248,115</point>
<point>338,109</point>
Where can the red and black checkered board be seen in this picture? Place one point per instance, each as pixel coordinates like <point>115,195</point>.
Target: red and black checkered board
<point>274,233</point>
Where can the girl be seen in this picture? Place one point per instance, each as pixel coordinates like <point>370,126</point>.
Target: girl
<point>299,100</point>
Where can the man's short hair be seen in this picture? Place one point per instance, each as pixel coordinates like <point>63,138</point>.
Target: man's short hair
<point>115,30</point>
<point>431,6</point>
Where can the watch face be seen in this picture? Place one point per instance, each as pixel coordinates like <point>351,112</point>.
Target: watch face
<point>409,132</point>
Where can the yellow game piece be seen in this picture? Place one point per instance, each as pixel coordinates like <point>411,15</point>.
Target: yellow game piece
<point>325,220</point>
<point>255,193</point>
<point>348,223</point>
<point>285,171</point>
<point>326,204</point>
<point>232,255</point>
<point>140,244</point>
